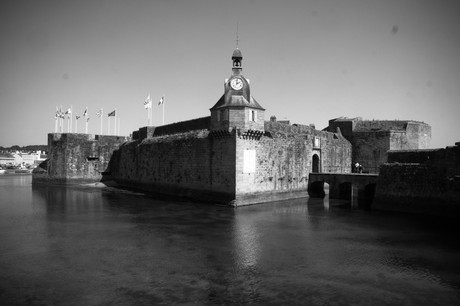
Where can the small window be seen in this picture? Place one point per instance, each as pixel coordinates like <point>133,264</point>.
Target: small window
<point>252,115</point>
<point>218,115</point>
<point>316,142</point>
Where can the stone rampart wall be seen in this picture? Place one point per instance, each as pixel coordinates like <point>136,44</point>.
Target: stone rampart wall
<point>445,158</point>
<point>417,188</point>
<point>211,166</point>
<point>191,164</point>
<point>183,126</point>
<point>173,128</point>
<point>283,160</point>
<point>78,158</point>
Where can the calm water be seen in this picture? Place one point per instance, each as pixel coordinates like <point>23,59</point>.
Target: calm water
<point>96,246</point>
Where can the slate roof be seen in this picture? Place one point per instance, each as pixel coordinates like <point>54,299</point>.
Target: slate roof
<point>237,101</point>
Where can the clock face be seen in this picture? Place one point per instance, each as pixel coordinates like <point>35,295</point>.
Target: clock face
<point>236,84</point>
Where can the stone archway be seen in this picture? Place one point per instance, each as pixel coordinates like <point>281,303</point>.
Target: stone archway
<point>315,164</point>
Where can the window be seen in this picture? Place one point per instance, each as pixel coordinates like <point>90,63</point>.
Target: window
<point>316,142</point>
<point>252,115</point>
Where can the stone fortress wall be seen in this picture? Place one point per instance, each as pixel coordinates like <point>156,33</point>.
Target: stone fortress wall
<point>423,181</point>
<point>372,139</point>
<point>229,167</point>
<point>76,158</point>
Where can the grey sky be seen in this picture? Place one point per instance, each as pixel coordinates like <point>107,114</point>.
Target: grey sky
<point>308,61</point>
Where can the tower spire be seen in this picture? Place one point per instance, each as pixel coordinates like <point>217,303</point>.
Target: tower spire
<point>237,38</point>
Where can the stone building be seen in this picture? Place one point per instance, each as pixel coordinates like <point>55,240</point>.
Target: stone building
<point>372,139</point>
<point>233,156</point>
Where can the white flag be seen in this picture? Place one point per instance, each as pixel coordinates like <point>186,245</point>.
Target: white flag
<point>162,100</point>
<point>148,102</point>
<point>68,112</point>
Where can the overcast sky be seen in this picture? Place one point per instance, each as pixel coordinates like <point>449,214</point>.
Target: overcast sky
<point>308,61</point>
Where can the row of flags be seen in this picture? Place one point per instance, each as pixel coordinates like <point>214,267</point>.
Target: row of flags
<point>148,107</point>
<point>148,101</point>
<point>61,114</point>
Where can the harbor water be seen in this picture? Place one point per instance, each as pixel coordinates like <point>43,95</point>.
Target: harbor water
<point>92,245</point>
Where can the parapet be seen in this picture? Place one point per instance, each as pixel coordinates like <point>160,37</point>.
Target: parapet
<point>173,128</point>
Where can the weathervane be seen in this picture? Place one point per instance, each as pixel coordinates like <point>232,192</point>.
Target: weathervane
<point>237,39</point>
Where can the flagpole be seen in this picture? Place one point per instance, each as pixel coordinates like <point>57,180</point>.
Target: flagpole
<point>61,119</point>
<point>71,119</point>
<point>115,125</point>
<point>164,99</point>
<point>149,111</point>
<point>108,127</point>
<point>56,120</point>
<point>102,115</point>
<point>86,120</point>
<point>76,125</point>
<point>118,125</point>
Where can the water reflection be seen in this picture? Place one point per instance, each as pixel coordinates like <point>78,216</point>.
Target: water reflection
<point>247,244</point>
<point>86,246</point>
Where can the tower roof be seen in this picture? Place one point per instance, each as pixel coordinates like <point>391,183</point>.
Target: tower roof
<point>236,101</point>
<point>237,54</point>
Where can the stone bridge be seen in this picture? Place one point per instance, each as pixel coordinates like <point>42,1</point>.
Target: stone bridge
<point>357,187</point>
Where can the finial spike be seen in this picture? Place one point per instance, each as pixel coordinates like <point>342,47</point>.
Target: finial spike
<point>237,39</point>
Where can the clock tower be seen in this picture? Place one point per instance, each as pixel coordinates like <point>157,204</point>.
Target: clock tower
<point>237,109</point>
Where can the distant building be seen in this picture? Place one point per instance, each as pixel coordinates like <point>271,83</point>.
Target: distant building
<point>7,159</point>
<point>372,139</point>
<point>28,159</point>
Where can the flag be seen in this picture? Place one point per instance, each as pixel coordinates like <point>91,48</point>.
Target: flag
<point>68,112</point>
<point>87,119</point>
<point>57,115</point>
<point>86,112</point>
<point>162,100</point>
<point>111,114</point>
<point>148,102</point>
<point>77,117</point>
<point>99,113</point>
